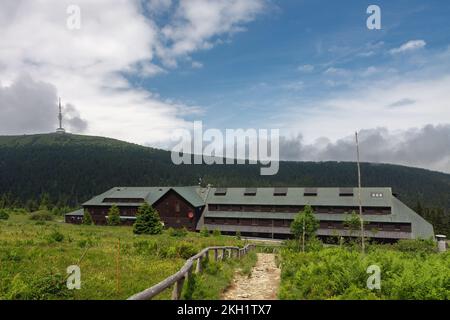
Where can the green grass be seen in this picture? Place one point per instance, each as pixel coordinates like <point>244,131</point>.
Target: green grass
<point>340,273</point>
<point>216,277</point>
<point>34,256</point>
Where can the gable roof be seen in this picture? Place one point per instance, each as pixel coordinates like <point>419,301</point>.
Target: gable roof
<point>147,194</point>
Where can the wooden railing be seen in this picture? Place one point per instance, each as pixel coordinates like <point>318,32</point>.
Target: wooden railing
<point>177,280</point>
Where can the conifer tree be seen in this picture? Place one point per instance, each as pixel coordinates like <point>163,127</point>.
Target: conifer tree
<point>147,221</point>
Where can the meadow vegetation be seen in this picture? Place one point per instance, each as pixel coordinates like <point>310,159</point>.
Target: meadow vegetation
<point>35,253</point>
<point>410,270</point>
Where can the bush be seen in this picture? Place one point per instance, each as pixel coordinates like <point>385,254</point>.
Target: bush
<point>238,235</point>
<point>4,215</point>
<point>216,233</point>
<point>42,215</point>
<point>181,232</point>
<point>416,246</point>
<point>147,221</point>
<point>45,287</point>
<point>55,236</point>
<point>204,232</point>
<point>87,218</point>
<point>186,250</point>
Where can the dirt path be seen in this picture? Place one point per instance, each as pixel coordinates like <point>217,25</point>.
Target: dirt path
<point>261,285</point>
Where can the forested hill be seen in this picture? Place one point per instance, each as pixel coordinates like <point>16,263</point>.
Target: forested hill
<point>73,168</point>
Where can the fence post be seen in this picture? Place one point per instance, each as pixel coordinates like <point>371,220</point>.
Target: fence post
<point>199,265</point>
<point>224,252</point>
<point>176,293</point>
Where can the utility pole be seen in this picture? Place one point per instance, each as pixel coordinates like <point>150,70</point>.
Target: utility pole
<point>359,194</point>
<point>303,235</point>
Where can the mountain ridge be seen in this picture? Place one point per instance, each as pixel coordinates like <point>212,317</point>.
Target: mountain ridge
<point>46,163</point>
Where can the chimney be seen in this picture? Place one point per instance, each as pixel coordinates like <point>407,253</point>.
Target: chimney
<point>442,243</point>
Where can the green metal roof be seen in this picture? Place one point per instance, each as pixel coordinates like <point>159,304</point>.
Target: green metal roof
<point>149,194</point>
<point>295,196</point>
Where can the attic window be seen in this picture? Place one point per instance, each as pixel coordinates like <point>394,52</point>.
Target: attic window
<point>220,192</point>
<point>346,192</point>
<point>250,192</point>
<point>280,192</point>
<point>310,192</point>
<point>377,195</point>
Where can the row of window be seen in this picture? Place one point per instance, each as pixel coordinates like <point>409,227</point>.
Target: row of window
<point>380,226</point>
<point>296,209</point>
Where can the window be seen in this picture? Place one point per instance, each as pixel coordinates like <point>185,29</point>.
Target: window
<point>220,192</point>
<point>280,192</point>
<point>346,192</point>
<point>177,207</point>
<point>250,192</point>
<point>310,192</point>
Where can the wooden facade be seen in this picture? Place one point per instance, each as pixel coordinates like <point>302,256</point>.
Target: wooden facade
<point>174,211</point>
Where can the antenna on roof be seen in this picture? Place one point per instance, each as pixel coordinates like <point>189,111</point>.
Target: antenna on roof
<point>359,194</point>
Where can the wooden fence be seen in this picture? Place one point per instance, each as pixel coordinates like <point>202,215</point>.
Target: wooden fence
<point>177,280</point>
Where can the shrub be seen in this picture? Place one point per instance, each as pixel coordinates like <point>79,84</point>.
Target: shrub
<point>87,218</point>
<point>42,215</point>
<point>4,215</point>
<point>147,221</point>
<point>204,232</point>
<point>186,250</point>
<point>114,216</point>
<point>55,236</point>
<point>216,233</point>
<point>180,232</point>
<point>238,235</point>
<point>416,246</point>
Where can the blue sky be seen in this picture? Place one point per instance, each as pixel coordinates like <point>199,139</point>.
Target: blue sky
<point>256,74</point>
<point>138,70</point>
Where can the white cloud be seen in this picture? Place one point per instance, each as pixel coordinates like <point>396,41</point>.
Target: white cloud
<point>87,66</point>
<point>196,23</point>
<point>306,68</point>
<point>370,106</point>
<point>197,65</point>
<point>409,46</point>
<point>424,147</point>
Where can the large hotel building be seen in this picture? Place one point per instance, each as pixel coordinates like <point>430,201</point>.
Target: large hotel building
<point>263,212</point>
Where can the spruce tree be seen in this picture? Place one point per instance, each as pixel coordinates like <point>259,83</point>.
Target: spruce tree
<point>114,216</point>
<point>147,221</point>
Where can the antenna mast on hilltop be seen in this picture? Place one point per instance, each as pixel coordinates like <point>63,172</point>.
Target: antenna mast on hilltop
<point>359,194</point>
<point>60,129</point>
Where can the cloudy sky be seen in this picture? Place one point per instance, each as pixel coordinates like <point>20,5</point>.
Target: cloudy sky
<point>138,70</point>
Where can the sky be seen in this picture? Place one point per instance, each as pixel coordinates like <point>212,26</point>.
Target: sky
<point>139,70</point>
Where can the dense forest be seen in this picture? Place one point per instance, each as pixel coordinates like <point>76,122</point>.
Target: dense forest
<point>66,170</point>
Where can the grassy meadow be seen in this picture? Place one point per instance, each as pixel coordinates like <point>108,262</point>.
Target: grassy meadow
<point>34,256</point>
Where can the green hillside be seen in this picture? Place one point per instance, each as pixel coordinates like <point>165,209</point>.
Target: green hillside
<point>73,168</point>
